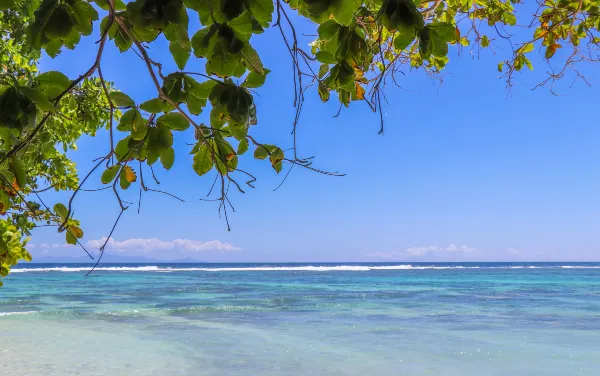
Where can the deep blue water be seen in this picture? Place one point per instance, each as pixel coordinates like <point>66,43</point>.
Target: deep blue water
<point>302,319</point>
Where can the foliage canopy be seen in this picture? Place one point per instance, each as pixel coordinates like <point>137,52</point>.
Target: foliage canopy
<point>360,46</point>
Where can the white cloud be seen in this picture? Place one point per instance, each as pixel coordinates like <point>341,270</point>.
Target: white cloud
<point>436,249</point>
<point>450,251</point>
<point>148,245</point>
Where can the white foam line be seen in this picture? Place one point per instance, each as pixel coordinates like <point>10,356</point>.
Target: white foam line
<point>354,268</point>
<point>17,313</point>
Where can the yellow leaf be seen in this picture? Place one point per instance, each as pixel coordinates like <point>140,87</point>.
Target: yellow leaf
<point>76,231</point>
<point>129,174</point>
<point>360,91</point>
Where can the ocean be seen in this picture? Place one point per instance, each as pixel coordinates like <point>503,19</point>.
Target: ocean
<point>302,319</point>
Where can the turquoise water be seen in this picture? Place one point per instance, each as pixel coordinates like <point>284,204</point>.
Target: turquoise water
<point>317,319</point>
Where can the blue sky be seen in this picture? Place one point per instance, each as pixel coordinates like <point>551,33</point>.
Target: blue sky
<point>465,171</point>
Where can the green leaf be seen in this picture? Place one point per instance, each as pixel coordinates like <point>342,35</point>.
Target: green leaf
<point>343,11</point>
<point>323,92</point>
<point>242,147</point>
<point>528,63</point>
<point>120,99</point>
<point>500,66</point>
<point>102,4</point>
<point>527,48</point>
<point>425,42</point>
<point>167,158</point>
<point>61,210</point>
<point>109,174</point>
<point>127,177</point>
<point>55,79</point>
<point>154,106</point>
<point>262,10</point>
<point>325,57</point>
<point>181,54</point>
<point>242,23</point>
<point>203,162</point>
<point>70,238</point>
<point>485,41</point>
<point>174,120</point>
<point>254,80</point>
<point>130,117</point>
<point>323,69</point>
<point>18,169</point>
<point>328,29</point>
<point>122,149</point>
<point>510,19</point>
<point>159,139</point>
<point>444,30</point>
<point>37,97</point>
<point>198,90</point>
<point>253,59</point>
<point>404,37</point>
<point>7,4</point>
<point>262,151</point>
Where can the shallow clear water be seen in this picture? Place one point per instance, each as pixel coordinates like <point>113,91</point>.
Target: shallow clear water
<point>317,319</point>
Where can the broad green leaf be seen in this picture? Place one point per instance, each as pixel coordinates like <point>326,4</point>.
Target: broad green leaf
<point>181,54</point>
<point>253,59</point>
<point>444,30</point>
<point>70,238</point>
<point>158,140</point>
<point>323,92</point>
<point>167,158</point>
<point>37,97</point>
<point>262,10</point>
<point>328,29</point>
<point>527,48</point>
<point>485,41</point>
<point>425,42</point>
<point>54,78</point>
<point>254,80</point>
<point>197,89</point>
<point>242,23</point>
<point>276,155</point>
<point>174,120</point>
<point>242,147</point>
<point>122,149</point>
<point>120,99</point>
<point>323,69</point>
<point>343,10</point>
<point>61,210</point>
<point>325,57</point>
<point>404,37</point>
<point>109,174</point>
<point>153,106</point>
<point>203,162</point>
<point>262,151</point>
<point>510,19</point>
<point>129,118</point>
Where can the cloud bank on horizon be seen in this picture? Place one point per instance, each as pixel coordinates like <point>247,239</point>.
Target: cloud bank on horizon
<point>142,247</point>
<point>451,252</point>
